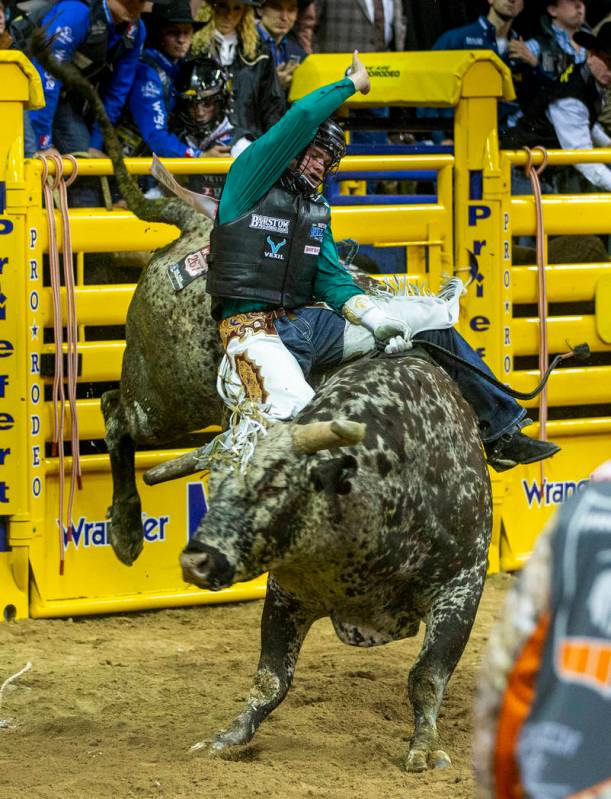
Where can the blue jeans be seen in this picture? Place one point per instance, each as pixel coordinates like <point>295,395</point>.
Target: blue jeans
<point>315,337</point>
<point>497,413</point>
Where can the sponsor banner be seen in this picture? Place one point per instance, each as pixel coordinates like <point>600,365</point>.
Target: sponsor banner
<point>87,534</point>
<point>273,224</point>
<point>550,492</point>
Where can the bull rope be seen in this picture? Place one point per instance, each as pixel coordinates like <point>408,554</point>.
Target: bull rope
<point>533,173</point>
<point>61,184</point>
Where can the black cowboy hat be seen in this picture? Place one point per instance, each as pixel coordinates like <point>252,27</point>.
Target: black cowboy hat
<point>168,12</point>
<point>598,43</point>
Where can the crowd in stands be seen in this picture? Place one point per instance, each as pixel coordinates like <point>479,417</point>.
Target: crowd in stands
<point>207,77</point>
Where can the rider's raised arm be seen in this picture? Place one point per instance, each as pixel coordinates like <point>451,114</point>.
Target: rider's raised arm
<point>263,162</point>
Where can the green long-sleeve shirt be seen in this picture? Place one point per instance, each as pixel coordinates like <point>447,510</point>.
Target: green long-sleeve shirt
<point>258,168</point>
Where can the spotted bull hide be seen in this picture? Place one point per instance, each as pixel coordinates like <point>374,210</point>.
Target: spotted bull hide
<point>390,533</point>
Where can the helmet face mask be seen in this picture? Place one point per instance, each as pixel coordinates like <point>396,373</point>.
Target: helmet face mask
<point>203,85</point>
<point>326,149</point>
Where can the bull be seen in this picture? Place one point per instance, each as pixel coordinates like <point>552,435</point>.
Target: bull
<point>389,533</point>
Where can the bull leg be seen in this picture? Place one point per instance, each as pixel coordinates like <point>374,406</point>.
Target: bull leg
<point>284,625</point>
<point>448,626</point>
<point>125,526</point>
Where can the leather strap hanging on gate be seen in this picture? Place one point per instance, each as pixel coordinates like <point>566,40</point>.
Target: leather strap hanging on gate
<point>533,173</point>
<point>60,184</point>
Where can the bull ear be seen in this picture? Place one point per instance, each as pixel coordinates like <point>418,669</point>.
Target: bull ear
<point>333,476</point>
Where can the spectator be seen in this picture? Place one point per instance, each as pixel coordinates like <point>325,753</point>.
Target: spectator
<point>555,49</point>
<point>277,19</point>
<point>543,716</point>
<point>153,95</point>
<point>369,26</point>
<point>495,32</point>
<point>605,115</point>
<point>304,30</point>
<point>6,40</point>
<point>104,40</point>
<point>231,37</point>
<point>567,118</point>
<point>201,120</point>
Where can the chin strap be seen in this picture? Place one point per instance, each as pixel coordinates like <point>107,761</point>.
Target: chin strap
<point>581,351</point>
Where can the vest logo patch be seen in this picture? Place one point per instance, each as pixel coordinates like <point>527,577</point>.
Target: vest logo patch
<point>317,231</point>
<point>309,250</point>
<point>273,224</point>
<point>275,247</point>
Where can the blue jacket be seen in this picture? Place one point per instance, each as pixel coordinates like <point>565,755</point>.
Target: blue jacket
<point>281,52</point>
<point>478,35</point>
<point>151,102</point>
<point>69,21</point>
<point>481,35</point>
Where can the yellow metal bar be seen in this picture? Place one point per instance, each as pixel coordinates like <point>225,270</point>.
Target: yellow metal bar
<point>562,157</point>
<point>564,215</point>
<point>58,608</point>
<point>95,305</point>
<point>95,167</point>
<point>101,463</point>
<point>98,230</point>
<point>423,243</point>
<point>101,360</point>
<point>565,283</point>
<point>574,329</point>
<point>90,421</point>
<point>566,428</point>
<point>483,226</point>
<point>582,386</point>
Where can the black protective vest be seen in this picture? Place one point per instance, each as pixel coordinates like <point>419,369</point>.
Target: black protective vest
<point>534,128</point>
<point>93,58</point>
<point>271,253</point>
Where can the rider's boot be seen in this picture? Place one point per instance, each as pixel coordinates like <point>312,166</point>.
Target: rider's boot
<point>512,449</point>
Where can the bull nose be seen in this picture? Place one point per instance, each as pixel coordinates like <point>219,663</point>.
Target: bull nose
<point>195,566</point>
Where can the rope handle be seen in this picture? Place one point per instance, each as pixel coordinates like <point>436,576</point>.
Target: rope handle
<point>533,173</point>
<point>59,183</point>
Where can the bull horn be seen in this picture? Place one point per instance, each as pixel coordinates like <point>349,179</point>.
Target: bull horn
<point>190,463</point>
<point>316,436</point>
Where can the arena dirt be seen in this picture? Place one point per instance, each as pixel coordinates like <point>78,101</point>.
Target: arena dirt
<point>113,704</point>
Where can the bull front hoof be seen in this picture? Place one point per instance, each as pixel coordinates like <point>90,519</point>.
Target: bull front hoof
<point>439,759</point>
<point>125,533</point>
<point>416,761</point>
<point>239,733</point>
<point>419,760</point>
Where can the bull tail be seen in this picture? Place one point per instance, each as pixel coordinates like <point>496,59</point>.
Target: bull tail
<point>170,211</point>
